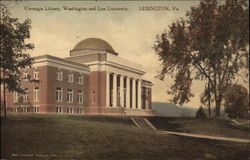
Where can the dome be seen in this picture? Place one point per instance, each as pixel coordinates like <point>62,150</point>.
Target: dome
<point>94,43</point>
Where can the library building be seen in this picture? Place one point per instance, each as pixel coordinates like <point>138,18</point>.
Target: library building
<point>92,80</point>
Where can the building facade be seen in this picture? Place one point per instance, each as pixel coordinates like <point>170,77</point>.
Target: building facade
<point>92,80</point>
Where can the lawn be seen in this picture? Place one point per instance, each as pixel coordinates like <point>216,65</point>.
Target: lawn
<point>211,127</point>
<point>59,137</point>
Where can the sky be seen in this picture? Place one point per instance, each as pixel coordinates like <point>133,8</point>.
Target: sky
<point>131,32</point>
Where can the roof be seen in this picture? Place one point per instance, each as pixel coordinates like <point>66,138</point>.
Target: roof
<point>95,44</point>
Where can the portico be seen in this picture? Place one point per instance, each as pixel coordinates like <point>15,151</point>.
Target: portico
<point>117,83</point>
<point>120,92</point>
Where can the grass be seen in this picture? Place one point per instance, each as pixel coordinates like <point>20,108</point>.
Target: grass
<point>59,137</point>
<point>211,127</point>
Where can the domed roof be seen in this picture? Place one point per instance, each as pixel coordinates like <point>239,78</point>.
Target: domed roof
<point>94,43</point>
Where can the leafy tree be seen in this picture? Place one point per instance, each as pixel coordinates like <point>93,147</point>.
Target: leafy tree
<point>14,54</point>
<point>201,114</point>
<point>210,44</point>
<point>237,102</point>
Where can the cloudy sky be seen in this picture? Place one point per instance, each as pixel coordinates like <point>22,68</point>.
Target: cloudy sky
<point>131,32</point>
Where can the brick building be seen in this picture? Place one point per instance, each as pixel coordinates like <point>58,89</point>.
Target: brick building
<point>92,80</point>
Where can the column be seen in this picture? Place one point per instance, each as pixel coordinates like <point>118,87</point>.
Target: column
<point>114,90</point>
<point>121,91</point>
<point>139,94</point>
<point>133,93</point>
<point>107,90</point>
<point>127,92</point>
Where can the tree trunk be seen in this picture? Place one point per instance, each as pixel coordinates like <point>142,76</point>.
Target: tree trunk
<point>1,98</point>
<point>217,107</point>
<point>4,100</point>
<point>209,100</point>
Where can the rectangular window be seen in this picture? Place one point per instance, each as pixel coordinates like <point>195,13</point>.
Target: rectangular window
<point>71,78</point>
<point>80,97</point>
<point>36,94</point>
<point>25,96</point>
<point>59,75</point>
<point>70,110</point>
<point>16,97</point>
<point>25,109</point>
<point>80,111</point>
<point>70,96</point>
<point>59,94</point>
<point>36,75</point>
<point>36,109</point>
<point>80,79</point>
<point>59,109</point>
<point>26,76</point>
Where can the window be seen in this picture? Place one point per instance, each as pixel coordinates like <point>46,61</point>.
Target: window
<point>59,109</point>
<point>25,96</point>
<point>70,95</point>
<point>59,75</point>
<point>80,79</point>
<point>80,97</point>
<point>25,109</point>
<point>16,97</point>
<point>36,109</point>
<point>59,94</point>
<point>36,75</point>
<point>26,76</point>
<point>36,94</point>
<point>80,111</point>
<point>70,110</point>
<point>71,78</point>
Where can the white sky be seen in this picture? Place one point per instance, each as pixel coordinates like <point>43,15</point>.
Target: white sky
<point>131,33</point>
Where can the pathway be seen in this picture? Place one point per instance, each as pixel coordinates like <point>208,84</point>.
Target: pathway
<point>143,123</point>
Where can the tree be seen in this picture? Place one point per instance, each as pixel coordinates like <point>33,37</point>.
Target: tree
<point>13,55</point>
<point>237,102</point>
<point>201,114</point>
<point>210,44</point>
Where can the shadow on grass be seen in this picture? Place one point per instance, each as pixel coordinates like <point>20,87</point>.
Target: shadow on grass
<point>166,123</point>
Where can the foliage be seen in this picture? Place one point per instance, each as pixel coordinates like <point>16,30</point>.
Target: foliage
<point>210,44</point>
<point>201,113</point>
<point>237,102</point>
<point>14,54</point>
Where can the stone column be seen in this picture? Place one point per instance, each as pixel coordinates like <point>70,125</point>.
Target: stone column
<point>121,91</point>
<point>133,93</point>
<point>114,90</point>
<point>146,100</point>
<point>127,92</point>
<point>107,90</point>
<point>139,94</point>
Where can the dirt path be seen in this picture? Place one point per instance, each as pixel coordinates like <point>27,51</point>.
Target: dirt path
<point>206,137</point>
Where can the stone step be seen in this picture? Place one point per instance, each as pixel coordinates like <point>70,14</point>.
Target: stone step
<point>143,123</point>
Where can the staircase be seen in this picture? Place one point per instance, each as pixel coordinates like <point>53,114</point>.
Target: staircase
<point>143,123</point>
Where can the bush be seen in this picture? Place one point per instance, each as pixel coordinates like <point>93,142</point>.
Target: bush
<point>201,114</point>
<point>237,102</point>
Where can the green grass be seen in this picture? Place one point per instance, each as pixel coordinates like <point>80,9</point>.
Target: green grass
<point>211,127</point>
<point>34,136</point>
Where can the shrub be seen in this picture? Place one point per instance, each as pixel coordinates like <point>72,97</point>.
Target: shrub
<point>201,114</point>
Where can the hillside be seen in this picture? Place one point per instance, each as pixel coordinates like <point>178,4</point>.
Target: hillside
<point>171,110</point>
<point>45,137</point>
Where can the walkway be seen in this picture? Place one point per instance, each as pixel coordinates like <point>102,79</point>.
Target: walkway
<point>143,123</point>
